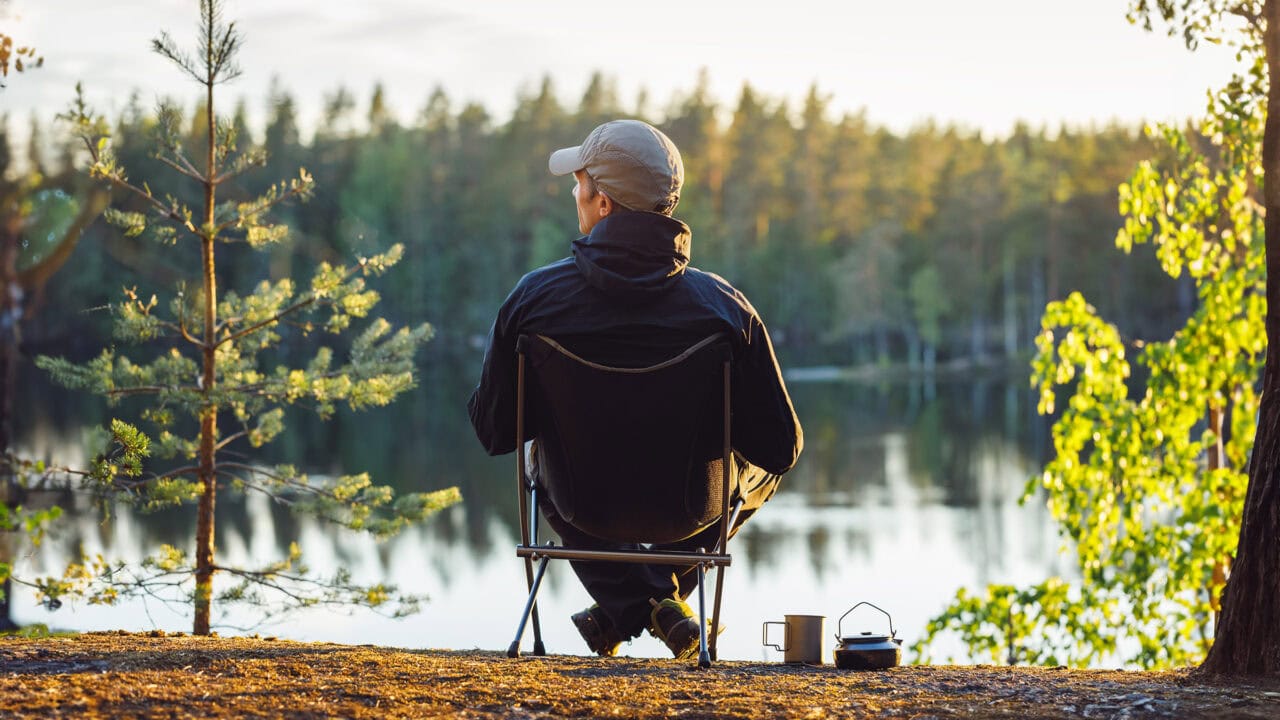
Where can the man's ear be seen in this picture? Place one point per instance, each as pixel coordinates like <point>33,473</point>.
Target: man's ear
<point>605,204</point>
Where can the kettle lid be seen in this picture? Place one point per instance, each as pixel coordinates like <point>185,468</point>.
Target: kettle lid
<point>866,638</point>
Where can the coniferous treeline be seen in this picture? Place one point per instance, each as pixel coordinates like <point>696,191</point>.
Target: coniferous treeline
<point>857,244</point>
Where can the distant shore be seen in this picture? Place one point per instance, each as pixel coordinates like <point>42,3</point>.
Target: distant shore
<point>961,368</point>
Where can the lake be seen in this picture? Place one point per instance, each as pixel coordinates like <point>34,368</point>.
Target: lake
<point>905,492</point>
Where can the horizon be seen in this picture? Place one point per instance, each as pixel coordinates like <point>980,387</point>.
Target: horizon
<point>949,66</point>
<point>257,111</point>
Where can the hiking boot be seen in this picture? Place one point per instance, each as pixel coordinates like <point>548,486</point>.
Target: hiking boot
<point>672,622</point>
<point>598,631</point>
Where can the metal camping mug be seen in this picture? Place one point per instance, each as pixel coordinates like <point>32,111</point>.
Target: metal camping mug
<point>802,639</point>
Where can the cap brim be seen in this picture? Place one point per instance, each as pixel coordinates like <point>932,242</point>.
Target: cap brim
<point>565,161</point>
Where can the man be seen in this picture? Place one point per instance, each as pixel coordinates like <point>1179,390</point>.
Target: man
<point>627,296</point>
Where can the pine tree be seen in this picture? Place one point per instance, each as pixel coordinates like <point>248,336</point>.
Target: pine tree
<point>207,376</point>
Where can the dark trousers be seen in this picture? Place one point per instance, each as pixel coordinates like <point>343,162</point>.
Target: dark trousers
<point>622,590</point>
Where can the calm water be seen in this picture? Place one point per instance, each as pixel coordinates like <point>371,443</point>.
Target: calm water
<point>904,493</point>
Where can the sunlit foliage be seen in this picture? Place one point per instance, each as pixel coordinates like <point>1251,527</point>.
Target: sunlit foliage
<point>1149,475</point>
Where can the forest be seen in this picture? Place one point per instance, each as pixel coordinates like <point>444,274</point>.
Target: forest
<point>928,248</point>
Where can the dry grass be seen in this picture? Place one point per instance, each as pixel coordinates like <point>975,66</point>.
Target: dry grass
<point>119,675</point>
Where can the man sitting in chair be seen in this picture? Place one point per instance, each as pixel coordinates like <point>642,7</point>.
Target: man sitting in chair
<point>628,296</point>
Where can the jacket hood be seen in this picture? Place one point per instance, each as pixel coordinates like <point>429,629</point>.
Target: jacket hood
<point>633,255</point>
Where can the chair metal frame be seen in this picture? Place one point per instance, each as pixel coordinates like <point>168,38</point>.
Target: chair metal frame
<point>530,549</point>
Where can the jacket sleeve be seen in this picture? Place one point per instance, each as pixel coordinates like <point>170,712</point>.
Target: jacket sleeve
<point>765,429</point>
<point>493,403</point>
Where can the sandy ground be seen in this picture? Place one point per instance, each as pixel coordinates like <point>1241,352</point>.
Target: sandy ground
<point>154,675</point>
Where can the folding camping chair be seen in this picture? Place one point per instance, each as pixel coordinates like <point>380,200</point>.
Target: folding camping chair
<point>628,455</point>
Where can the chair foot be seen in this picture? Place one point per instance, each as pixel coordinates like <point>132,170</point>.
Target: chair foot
<point>704,659</point>
<point>538,648</point>
<point>513,650</point>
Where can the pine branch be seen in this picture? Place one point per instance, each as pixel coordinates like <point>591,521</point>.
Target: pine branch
<point>300,187</point>
<point>224,69</point>
<point>24,470</point>
<point>94,133</point>
<point>186,162</point>
<point>182,323</point>
<point>310,298</point>
<point>244,162</point>
<point>269,321</point>
<point>145,390</point>
<point>148,586</point>
<point>188,171</point>
<point>266,579</point>
<point>169,121</point>
<point>273,496</point>
<point>285,481</point>
<point>338,591</point>
<point>165,46</point>
<point>181,329</point>
<point>254,469</point>
<point>256,487</point>
<point>258,387</point>
<point>229,439</point>
<point>165,212</point>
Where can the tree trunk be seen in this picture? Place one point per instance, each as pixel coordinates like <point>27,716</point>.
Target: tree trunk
<point>1217,461</point>
<point>1010,304</point>
<point>1051,261</point>
<point>10,494</point>
<point>915,349</point>
<point>209,414</point>
<point>882,345</point>
<point>10,336</point>
<point>1247,636</point>
<point>11,311</point>
<point>976,338</point>
<point>8,486</point>
<point>1038,296</point>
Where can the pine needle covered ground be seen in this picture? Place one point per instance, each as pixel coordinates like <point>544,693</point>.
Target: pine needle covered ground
<point>118,675</point>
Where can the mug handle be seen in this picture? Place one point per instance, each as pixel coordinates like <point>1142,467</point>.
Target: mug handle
<point>786,635</point>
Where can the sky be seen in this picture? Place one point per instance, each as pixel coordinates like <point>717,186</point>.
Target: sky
<point>980,64</point>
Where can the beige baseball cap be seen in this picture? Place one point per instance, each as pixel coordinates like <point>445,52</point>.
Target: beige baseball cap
<point>632,161</point>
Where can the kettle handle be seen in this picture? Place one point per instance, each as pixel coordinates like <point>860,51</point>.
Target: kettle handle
<point>840,633</point>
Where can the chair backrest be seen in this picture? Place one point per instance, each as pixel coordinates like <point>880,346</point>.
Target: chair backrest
<point>631,454</point>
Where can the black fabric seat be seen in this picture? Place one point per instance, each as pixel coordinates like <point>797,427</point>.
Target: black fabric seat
<point>628,455</point>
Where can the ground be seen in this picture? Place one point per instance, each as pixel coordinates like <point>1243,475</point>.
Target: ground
<point>158,675</point>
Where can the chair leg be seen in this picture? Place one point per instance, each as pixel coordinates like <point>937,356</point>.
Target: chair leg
<point>538,648</point>
<point>530,608</point>
<point>715,613</point>
<point>704,658</point>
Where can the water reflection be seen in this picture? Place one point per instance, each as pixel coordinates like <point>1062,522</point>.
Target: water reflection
<point>904,493</point>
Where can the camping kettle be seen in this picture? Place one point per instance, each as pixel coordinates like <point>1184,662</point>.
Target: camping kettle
<point>865,650</point>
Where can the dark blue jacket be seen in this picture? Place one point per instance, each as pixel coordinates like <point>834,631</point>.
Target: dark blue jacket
<point>628,297</point>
